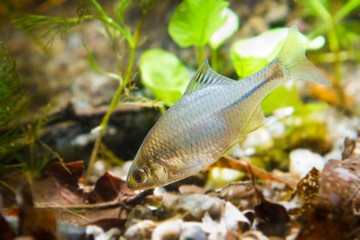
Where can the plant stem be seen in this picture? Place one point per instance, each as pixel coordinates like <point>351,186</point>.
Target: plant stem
<point>345,10</point>
<point>201,51</point>
<point>334,45</point>
<point>115,100</point>
<point>331,23</point>
<point>109,21</point>
<point>214,59</point>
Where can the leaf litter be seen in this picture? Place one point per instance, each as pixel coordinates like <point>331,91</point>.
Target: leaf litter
<point>323,205</point>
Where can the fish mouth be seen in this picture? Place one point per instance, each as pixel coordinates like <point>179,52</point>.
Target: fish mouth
<point>131,183</point>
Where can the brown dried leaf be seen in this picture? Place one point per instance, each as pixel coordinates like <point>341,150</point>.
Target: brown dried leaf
<point>40,224</point>
<point>59,190</point>
<point>108,188</point>
<point>59,185</point>
<point>7,233</point>
<point>67,174</point>
<point>274,219</point>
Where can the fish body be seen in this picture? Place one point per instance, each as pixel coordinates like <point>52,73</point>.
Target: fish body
<point>212,116</point>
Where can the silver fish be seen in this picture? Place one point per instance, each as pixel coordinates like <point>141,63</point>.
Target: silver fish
<point>212,116</point>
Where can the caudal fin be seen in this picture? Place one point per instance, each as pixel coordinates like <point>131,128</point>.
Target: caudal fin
<point>292,56</point>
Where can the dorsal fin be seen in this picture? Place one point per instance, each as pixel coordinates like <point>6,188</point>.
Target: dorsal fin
<point>205,77</point>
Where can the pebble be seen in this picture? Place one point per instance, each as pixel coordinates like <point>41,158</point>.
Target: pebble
<point>303,160</point>
<point>192,231</point>
<point>196,205</point>
<point>168,230</point>
<point>140,230</point>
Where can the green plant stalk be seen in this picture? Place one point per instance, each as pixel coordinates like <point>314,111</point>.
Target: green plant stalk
<point>334,45</point>
<point>214,59</point>
<point>30,165</point>
<point>115,100</point>
<point>7,186</point>
<point>201,52</point>
<point>333,38</point>
<point>109,21</point>
<point>345,10</point>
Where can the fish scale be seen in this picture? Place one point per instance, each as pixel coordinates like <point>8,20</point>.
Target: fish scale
<point>213,115</point>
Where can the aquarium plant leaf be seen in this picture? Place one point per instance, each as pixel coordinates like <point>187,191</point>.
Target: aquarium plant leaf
<point>51,26</point>
<point>10,92</point>
<point>263,48</point>
<point>120,10</point>
<point>347,9</point>
<point>164,74</point>
<point>11,104</point>
<point>230,26</point>
<point>96,68</point>
<point>281,97</point>
<point>251,54</point>
<point>195,21</point>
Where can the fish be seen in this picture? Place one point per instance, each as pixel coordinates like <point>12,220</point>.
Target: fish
<point>213,115</point>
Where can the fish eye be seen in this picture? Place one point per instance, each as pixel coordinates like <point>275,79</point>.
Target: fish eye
<point>140,176</point>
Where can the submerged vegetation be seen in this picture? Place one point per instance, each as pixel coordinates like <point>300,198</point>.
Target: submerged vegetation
<point>11,102</point>
<point>333,19</point>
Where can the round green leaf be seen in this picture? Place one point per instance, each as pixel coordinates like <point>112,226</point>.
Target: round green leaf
<point>251,54</point>
<point>227,30</point>
<point>195,21</point>
<point>164,74</point>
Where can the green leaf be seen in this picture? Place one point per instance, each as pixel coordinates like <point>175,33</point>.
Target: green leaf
<point>252,54</point>
<point>120,10</point>
<point>247,66</point>
<point>195,21</point>
<point>311,107</point>
<point>281,97</point>
<point>164,74</point>
<point>230,26</point>
<point>96,68</point>
<point>249,55</point>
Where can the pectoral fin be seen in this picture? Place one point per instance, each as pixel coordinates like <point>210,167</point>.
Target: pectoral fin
<point>190,170</point>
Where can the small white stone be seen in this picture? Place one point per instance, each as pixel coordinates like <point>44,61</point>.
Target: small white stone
<point>80,140</point>
<point>94,230</point>
<point>139,230</point>
<point>192,230</point>
<point>232,216</point>
<point>303,160</point>
<point>168,230</point>
<point>260,137</point>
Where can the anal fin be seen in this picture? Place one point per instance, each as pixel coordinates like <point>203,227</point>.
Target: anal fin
<point>256,120</point>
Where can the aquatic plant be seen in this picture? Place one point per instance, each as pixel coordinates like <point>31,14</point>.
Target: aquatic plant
<point>11,101</point>
<point>53,26</point>
<point>332,19</point>
<point>194,22</point>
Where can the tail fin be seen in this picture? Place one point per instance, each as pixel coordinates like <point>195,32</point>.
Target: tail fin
<point>292,56</point>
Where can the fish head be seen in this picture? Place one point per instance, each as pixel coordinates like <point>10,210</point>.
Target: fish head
<point>146,173</point>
